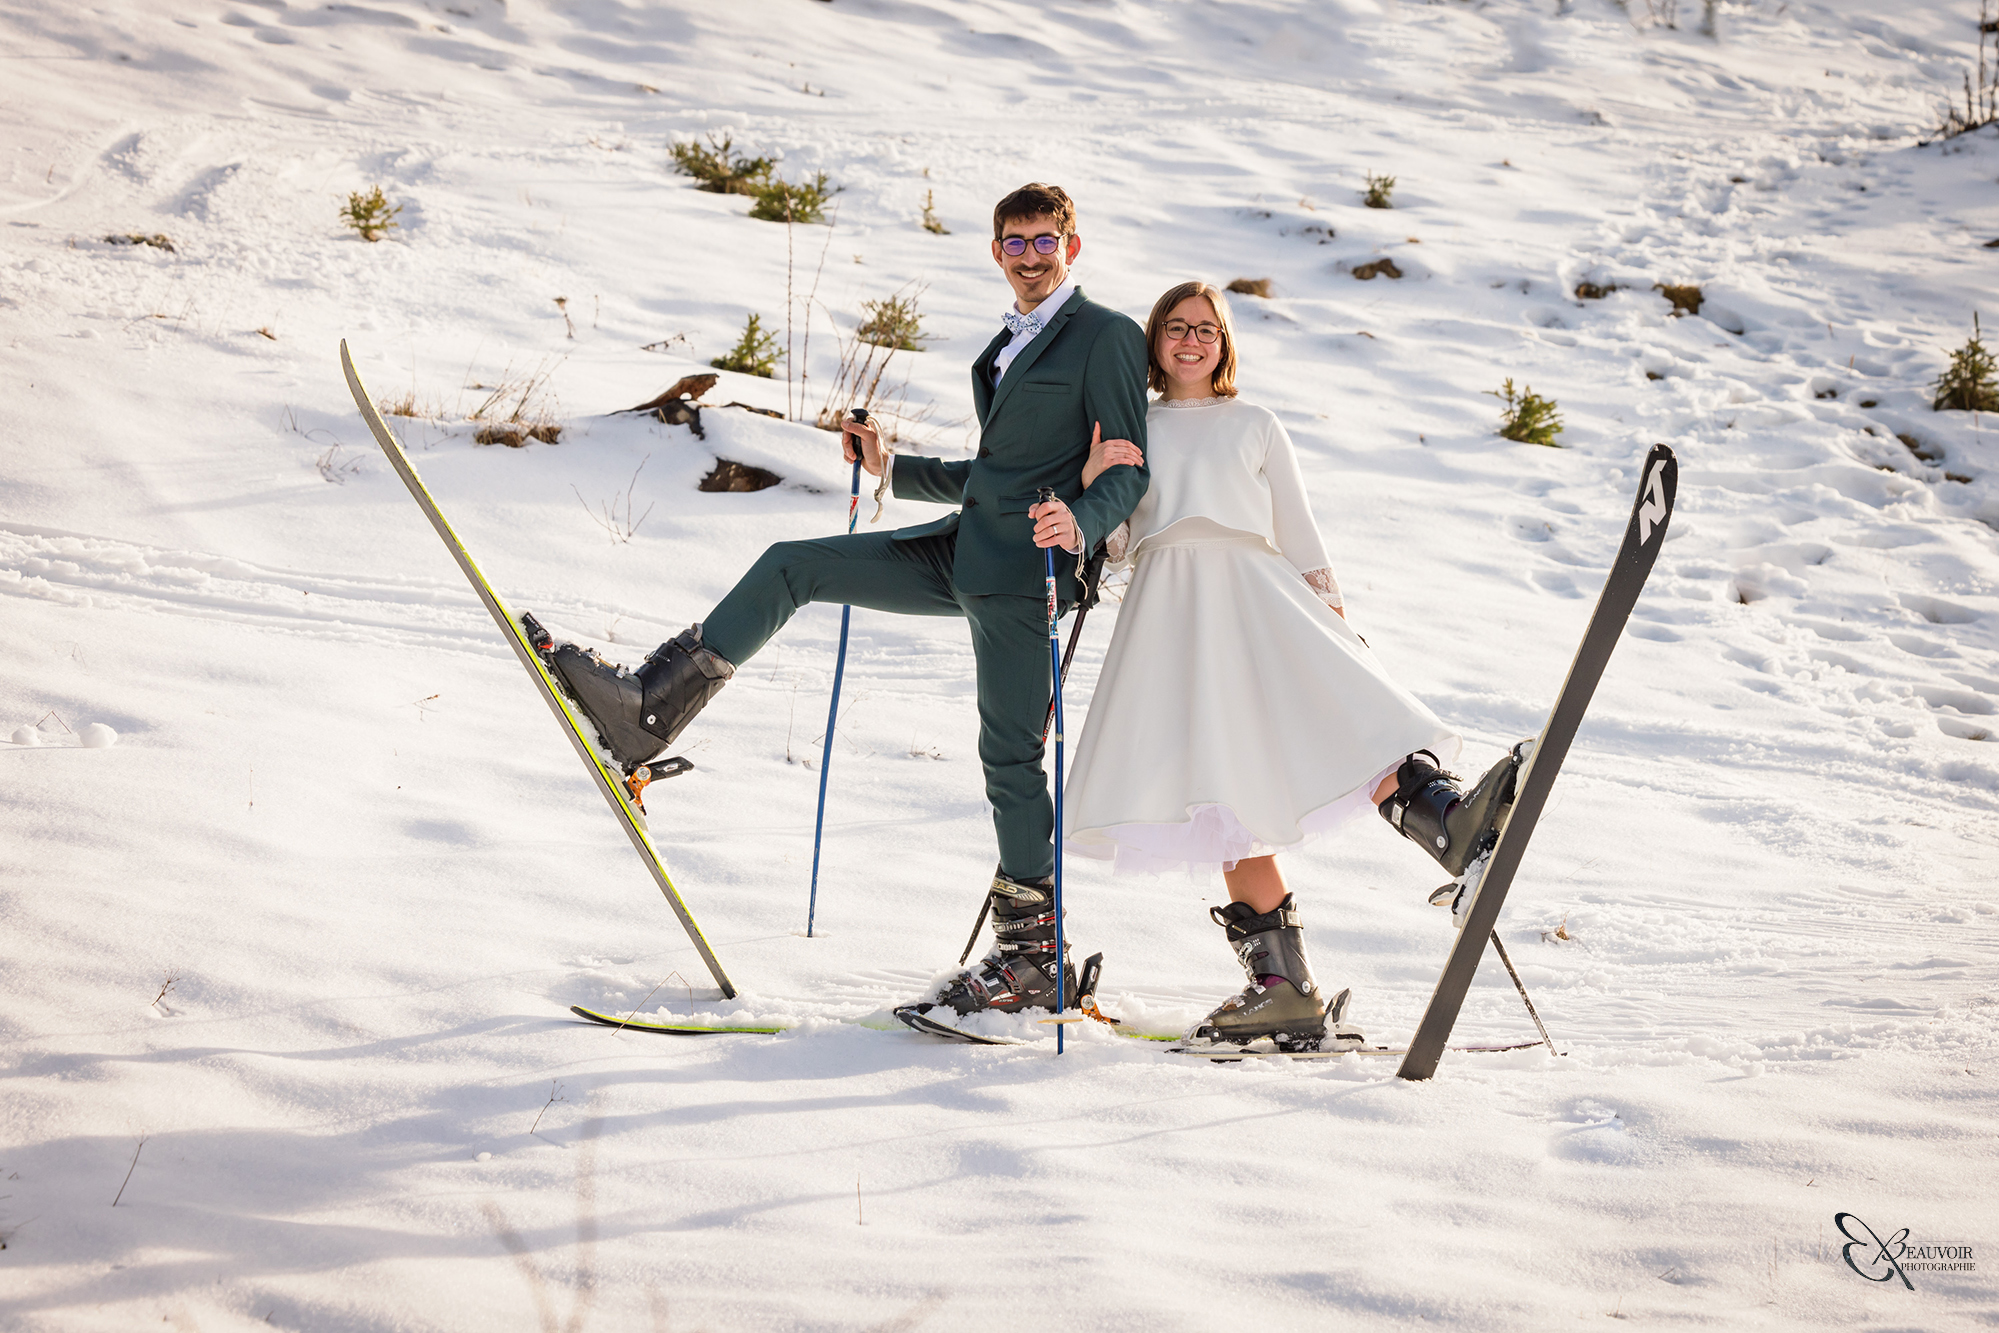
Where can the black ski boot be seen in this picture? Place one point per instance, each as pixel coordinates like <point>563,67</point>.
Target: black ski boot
<point>1019,972</point>
<point>1282,1000</point>
<point>639,713</point>
<point>1432,809</point>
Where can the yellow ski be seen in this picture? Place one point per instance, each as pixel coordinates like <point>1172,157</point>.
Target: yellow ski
<point>610,783</point>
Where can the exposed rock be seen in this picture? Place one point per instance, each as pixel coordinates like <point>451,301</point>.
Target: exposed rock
<point>730,475</point>
<point>1383,267</point>
<point>680,412</point>
<point>157,241</point>
<point>1685,297</point>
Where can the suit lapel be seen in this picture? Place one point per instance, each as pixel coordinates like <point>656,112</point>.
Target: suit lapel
<point>1032,352</point>
<point>982,375</point>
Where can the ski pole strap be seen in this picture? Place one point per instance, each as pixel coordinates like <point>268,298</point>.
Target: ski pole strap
<point>1092,576</point>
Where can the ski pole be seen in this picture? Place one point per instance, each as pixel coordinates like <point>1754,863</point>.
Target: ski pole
<point>860,414</point>
<point>1068,656</point>
<point>1521,986</point>
<point>1055,683</point>
<point>1047,725</point>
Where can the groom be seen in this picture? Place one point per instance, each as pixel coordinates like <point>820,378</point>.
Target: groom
<point>1061,368</point>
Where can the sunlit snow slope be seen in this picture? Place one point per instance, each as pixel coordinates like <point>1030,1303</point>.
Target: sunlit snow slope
<point>286,970</point>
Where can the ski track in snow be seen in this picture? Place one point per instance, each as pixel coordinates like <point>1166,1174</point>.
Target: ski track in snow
<point>341,840</point>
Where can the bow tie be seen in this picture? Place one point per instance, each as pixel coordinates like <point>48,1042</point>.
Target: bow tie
<point>1017,323</point>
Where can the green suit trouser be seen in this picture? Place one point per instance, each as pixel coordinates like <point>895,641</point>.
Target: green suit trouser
<point>913,578</point>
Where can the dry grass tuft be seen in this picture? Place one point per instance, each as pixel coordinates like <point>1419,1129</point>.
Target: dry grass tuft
<point>1251,287</point>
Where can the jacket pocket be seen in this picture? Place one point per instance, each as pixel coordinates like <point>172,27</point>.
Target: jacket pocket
<point>1045,386</point>
<point>1018,504</point>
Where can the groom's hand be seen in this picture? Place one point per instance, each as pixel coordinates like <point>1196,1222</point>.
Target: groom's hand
<point>863,434</point>
<point>1054,525</point>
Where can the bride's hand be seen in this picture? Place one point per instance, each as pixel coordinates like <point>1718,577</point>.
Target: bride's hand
<point>1107,454</point>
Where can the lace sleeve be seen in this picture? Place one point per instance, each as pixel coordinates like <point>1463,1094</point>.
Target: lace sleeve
<point>1118,544</point>
<point>1328,588</point>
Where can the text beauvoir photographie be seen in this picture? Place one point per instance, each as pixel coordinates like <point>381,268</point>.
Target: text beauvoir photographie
<point>840,665</point>
<point>1895,1258</point>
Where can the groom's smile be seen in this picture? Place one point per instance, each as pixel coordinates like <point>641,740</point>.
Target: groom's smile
<point>1032,274</point>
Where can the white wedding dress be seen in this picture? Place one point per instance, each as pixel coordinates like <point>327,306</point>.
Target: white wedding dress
<point>1237,714</point>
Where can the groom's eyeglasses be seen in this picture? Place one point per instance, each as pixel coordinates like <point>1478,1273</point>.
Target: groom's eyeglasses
<point>1043,245</point>
<point>1176,329</point>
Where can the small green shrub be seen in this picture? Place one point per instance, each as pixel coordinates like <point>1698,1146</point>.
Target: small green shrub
<point>718,169</point>
<point>370,214</point>
<point>1377,191</point>
<point>893,322</point>
<point>930,222</point>
<point>1529,418</point>
<point>1968,383</point>
<point>755,353</point>
<point>780,200</point>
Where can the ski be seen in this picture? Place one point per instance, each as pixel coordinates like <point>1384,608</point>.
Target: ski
<point>1217,1055</point>
<point>633,1023</point>
<point>1227,1055</point>
<point>1643,536</point>
<point>916,1019</point>
<point>610,783</point>
<point>913,1020</point>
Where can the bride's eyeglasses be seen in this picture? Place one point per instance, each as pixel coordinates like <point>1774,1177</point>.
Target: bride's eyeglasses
<point>1043,245</point>
<point>1176,329</point>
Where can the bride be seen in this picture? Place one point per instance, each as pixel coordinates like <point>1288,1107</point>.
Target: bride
<point>1237,714</point>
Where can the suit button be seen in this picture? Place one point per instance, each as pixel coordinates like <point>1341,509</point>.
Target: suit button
<point>985,452</point>
<point>971,502</point>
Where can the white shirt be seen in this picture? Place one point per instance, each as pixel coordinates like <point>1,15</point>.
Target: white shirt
<point>1047,309</point>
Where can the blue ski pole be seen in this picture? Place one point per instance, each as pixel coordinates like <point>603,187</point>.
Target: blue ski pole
<point>860,414</point>
<point>1055,684</point>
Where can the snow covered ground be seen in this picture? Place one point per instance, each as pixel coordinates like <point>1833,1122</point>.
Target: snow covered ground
<point>304,938</point>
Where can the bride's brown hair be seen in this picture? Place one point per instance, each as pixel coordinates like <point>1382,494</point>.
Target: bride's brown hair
<point>1155,376</point>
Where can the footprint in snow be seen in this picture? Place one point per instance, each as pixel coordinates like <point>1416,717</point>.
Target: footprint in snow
<point>96,736</point>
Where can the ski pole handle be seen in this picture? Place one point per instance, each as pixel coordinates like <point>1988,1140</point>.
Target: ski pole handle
<point>1046,495</point>
<point>859,414</point>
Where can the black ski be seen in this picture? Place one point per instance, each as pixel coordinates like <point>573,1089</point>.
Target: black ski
<point>916,1016</point>
<point>1643,536</point>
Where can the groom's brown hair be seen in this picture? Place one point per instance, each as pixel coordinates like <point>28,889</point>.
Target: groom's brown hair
<point>1031,201</point>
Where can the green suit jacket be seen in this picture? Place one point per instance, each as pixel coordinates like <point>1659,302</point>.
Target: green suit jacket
<point>1087,367</point>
